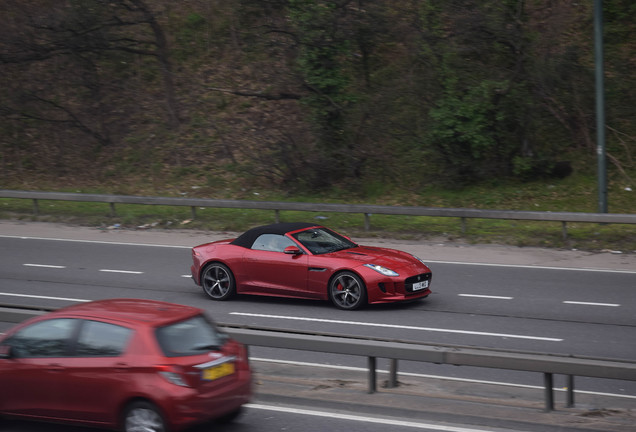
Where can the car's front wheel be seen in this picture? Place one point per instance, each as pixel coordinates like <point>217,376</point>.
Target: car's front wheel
<point>347,291</point>
<point>217,281</point>
<point>143,416</point>
<point>230,417</point>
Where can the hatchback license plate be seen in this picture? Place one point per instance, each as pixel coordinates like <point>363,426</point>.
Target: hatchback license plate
<point>420,285</point>
<point>216,372</point>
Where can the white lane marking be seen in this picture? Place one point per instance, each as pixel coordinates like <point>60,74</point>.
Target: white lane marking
<point>366,324</point>
<point>186,276</point>
<point>364,419</point>
<point>43,297</point>
<point>584,269</point>
<point>440,377</point>
<point>101,270</point>
<point>96,242</point>
<point>486,296</point>
<point>566,301</point>
<point>44,265</point>
<point>591,303</point>
<point>602,270</point>
<point>121,271</point>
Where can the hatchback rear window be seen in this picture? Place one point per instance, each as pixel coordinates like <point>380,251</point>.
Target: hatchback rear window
<point>189,337</point>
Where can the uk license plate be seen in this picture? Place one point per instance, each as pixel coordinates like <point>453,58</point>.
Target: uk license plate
<point>219,371</point>
<point>420,285</point>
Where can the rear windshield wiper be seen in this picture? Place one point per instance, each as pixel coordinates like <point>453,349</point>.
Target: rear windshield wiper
<point>206,347</point>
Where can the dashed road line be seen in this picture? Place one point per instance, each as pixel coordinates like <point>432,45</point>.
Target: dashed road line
<point>572,302</point>
<point>482,296</point>
<point>591,303</point>
<point>44,266</point>
<point>486,296</point>
<point>121,271</point>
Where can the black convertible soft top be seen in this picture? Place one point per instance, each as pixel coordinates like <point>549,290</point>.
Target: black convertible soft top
<point>248,237</point>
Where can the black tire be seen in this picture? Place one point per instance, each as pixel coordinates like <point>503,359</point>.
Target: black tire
<point>230,417</point>
<point>218,281</point>
<point>142,416</point>
<point>347,291</point>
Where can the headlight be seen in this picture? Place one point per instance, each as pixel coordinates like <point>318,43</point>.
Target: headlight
<point>382,270</point>
<point>419,259</point>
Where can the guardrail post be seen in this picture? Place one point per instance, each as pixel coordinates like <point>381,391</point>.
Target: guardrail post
<point>36,208</point>
<point>564,229</point>
<point>277,216</point>
<point>393,381</point>
<point>371,362</point>
<point>112,209</point>
<point>570,392</point>
<point>193,212</point>
<point>367,223</point>
<point>549,394</point>
<point>463,225</point>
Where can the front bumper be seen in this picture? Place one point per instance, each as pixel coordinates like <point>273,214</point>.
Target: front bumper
<point>395,289</point>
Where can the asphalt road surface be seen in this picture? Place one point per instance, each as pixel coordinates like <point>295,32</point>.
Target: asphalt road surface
<point>274,418</point>
<point>547,301</point>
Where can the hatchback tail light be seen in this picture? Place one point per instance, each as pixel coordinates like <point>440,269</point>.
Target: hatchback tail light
<point>173,374</point>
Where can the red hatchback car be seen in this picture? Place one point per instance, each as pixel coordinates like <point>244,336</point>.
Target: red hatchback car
<point>127,364</point>
<point>305,260</point>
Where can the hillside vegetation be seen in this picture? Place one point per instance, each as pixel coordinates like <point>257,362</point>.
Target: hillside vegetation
<point>414,102</point>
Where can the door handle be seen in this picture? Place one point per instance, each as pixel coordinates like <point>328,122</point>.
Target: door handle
<point>54,367</point>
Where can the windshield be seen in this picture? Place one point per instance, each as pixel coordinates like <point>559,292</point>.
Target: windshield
<point>190,337</point>
<point>323,240</point>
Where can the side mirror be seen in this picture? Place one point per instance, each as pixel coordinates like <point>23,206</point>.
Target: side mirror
<point>292,250</point>
<point>6,352</point>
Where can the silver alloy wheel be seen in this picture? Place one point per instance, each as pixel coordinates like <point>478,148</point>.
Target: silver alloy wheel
<point>217,281</point>
<point>347,291</point>
<point>143,417</point>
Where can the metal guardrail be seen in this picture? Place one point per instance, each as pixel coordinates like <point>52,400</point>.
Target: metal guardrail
<point>395,350</point>
<point>367,210</point>
<point>374,348</point>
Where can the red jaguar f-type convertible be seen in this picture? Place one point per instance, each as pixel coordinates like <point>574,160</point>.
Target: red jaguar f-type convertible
<point>306,260</point>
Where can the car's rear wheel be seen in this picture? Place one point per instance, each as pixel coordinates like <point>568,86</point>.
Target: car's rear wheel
<point>218,282</point>
<point>347,291</point>
<point>143,416</point>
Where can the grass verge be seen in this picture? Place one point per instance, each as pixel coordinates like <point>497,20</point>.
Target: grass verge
<point>593,237</point>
